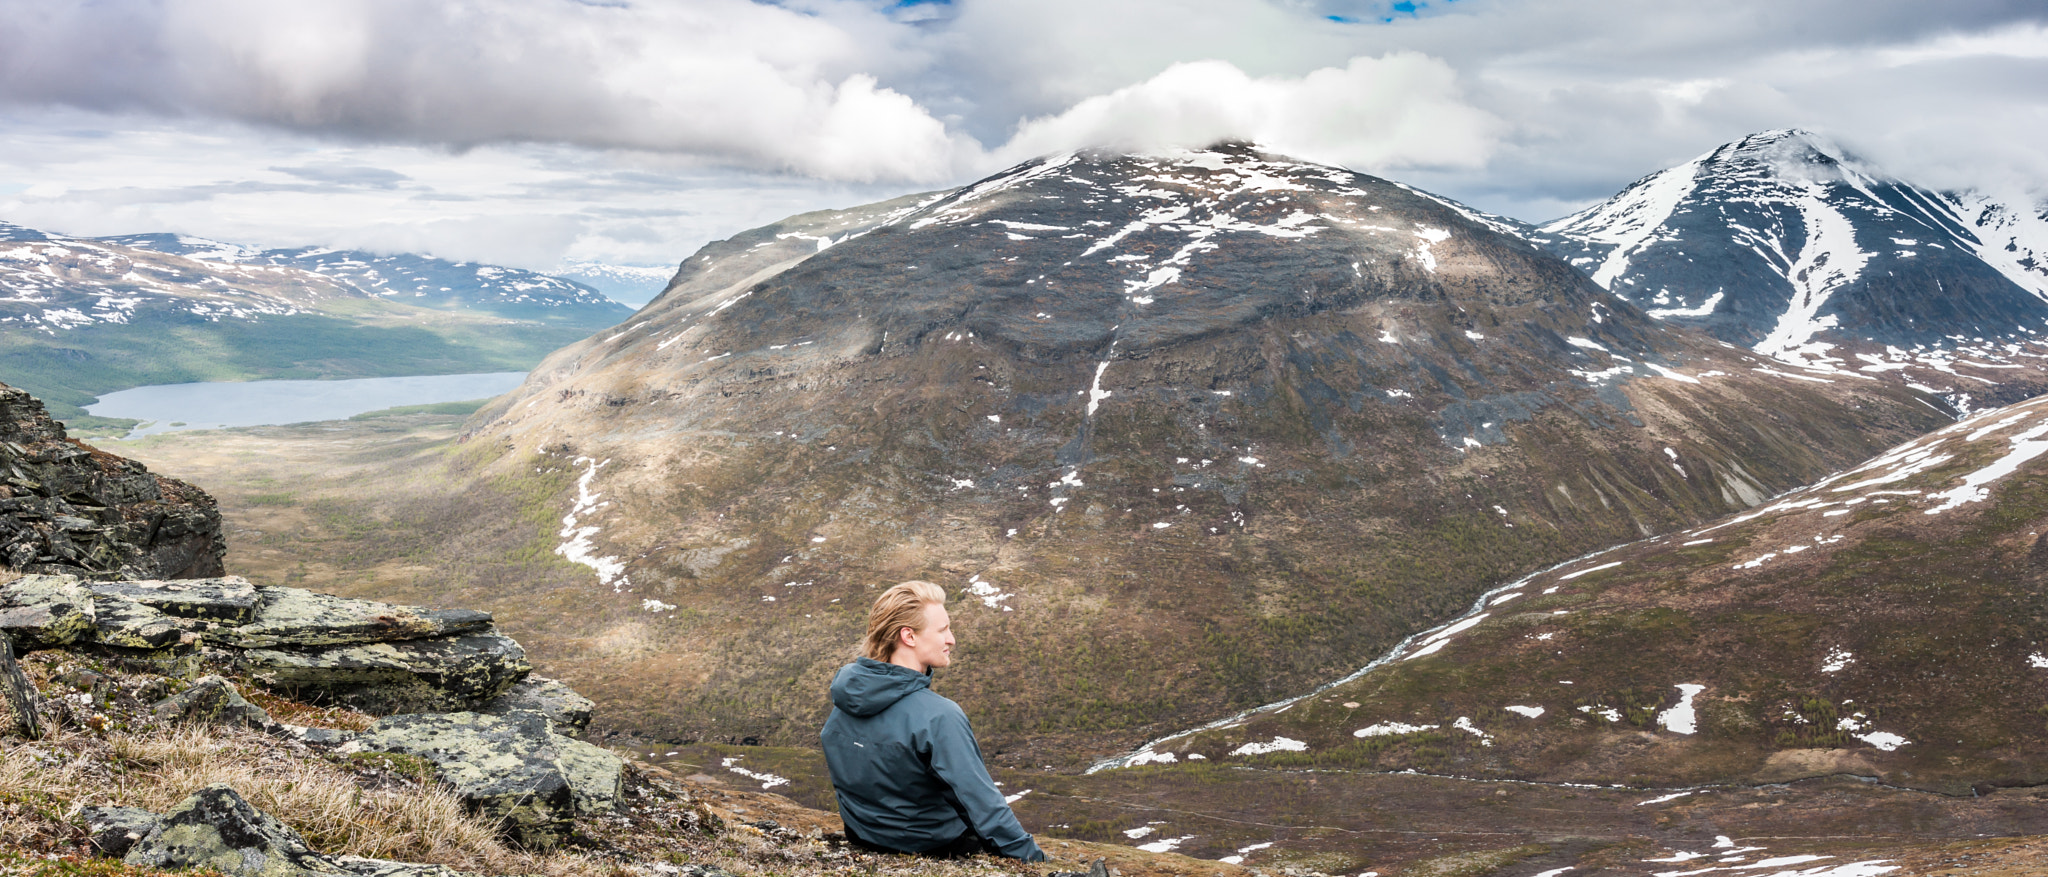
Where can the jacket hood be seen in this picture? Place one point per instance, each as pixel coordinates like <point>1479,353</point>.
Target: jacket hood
<point>867,686</point>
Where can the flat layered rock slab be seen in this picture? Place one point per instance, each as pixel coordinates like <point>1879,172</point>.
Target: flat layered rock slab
<point>448,673</point>
<point>512,768</point>
<point>296,617</point>
<point>44,611</point>
<point>124,623</point>
<point>231,598</point>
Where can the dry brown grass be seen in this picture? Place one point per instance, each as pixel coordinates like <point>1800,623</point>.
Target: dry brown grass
<point>42,784</point>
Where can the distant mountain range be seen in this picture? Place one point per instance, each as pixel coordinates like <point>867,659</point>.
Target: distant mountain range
<point>1783,243</point>
<point>627,284</point>
<point>82,317</point>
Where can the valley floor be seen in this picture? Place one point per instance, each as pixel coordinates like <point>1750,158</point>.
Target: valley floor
<point>348,508</point>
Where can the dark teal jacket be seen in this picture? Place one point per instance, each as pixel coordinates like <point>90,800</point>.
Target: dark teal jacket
<point>906,768</point>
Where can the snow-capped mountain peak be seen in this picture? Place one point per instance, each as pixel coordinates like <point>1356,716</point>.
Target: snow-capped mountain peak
<point>1787,244</point>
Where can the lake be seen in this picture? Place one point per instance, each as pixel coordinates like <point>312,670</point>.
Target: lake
<point>221,404</point>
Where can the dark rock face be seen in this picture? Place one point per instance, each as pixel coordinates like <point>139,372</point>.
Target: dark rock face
<point>514,769</point>
<point>68,508</point>
<point>18,714</point>
<point>1276,413</point>
<point>216,828</point>
<point>1782,243</point>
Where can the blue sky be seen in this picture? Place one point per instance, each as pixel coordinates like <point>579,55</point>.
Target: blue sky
<point>529,132</point>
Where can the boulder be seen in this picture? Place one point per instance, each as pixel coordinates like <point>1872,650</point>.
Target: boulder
<point>297,617</point>
<point>17,698</point>
<point>567,712</point>
<point>41,611</point>
<point>213,701</point>
<point>445,673</point>
<point>509,768</point>
<point>231,598</point>
<point>115,830</point>
<point>216,828</point>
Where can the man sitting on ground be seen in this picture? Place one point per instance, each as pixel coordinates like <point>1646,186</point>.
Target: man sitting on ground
<point>904,763</point>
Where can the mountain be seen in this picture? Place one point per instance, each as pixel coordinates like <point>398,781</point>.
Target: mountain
<point>80,318</point>
<point>1278,415</point>
<point>1881,622</point>
<point>632,284</point>
<point>1783,243</point>
<point>412,278</point>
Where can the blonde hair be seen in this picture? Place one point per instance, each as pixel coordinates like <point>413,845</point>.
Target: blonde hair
<point>899,607</point>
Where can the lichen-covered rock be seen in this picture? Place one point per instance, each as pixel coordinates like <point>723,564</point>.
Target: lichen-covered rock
<point>296,617</point>
<point>116,830</point>
<point>362,867</point>
<point>445,673</point>
<point>216,828</point>
<point>119,621</point>
<point>230,598</point>
<point>567,712</point>
<point>18,716</point>
<point>66,507</point>
<point>511,768</point>
<point>318,738</point>
<point>45,611</point>
<point>212,701</point>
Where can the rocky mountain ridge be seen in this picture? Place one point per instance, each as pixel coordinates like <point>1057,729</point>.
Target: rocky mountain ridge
<point>410,277</point>
<point>1784,243</point>
<point>1227,387</point>
<point>67,507</point>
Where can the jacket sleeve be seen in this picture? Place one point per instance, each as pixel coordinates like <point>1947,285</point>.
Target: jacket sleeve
<point>956,758</point>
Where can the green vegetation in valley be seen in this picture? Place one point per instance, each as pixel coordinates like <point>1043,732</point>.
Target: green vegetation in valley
<point>459,409</point>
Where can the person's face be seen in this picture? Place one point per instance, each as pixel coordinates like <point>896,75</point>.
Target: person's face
<point>933,645</point>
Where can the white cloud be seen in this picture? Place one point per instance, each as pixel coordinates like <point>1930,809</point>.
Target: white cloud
<point>658,125</point>
<point>752,84</point>
<point>1400,111</point>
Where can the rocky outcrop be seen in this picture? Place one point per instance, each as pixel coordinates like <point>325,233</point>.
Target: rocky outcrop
<point>567,712</point>
<point>66,507</point>
<point>515,760</point>
<point>375,657</point>
<point>514,768</point>
<point>216,828</point>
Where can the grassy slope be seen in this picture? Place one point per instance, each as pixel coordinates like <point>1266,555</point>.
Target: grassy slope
<point>1939,617</point>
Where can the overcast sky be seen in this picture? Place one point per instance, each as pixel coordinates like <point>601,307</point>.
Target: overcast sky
<point>530,132</point>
